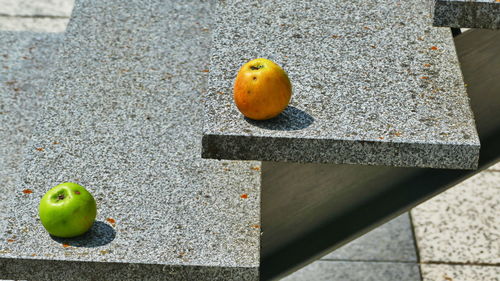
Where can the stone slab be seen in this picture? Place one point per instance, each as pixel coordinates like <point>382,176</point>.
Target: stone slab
<point>123,118</point>
<point>372,84</point>
<point>25,60</point>
<point>47,8</point>
<point>467,13</point>
<point>444,272</point>
<point>392,241</point>
<point>461,225</point>
<point>356,271</point>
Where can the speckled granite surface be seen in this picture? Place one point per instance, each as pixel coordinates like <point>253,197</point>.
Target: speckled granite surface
<point>467,13</point>
<point>461,225</point>
<point>372,84</point>
<point>445,272</point>
<point>123,118</point>
<point>25,59</point>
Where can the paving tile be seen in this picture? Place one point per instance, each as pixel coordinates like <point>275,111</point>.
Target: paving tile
<point>356,271</point>
<point>462,224</point>
<point>392,241</point>
<point>495,167</point>
<point>443,272</point>
<point>33,24</point>
<point>38,7</point>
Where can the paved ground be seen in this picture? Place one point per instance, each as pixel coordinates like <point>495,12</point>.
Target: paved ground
<point>457,238</point>
<point>452,237</point>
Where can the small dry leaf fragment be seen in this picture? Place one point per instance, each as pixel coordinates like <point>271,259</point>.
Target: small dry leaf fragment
<point>255,168</point>
<point>424,77</point>
<point>110,220</point>
<point>39,148</point>
<point>397,134</point>
<point>434,48</point>
<point>27,191</point>
<point>205,70</point>
<point>244,196</point>
<point>427,65</point>
<point>335,36</point>
<point>55,142</point>
<point>256,226</point>
<point>65,245</point>
<point>11,240</point>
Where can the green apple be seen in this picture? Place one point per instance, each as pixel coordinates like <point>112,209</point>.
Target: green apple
<point>67,210</point>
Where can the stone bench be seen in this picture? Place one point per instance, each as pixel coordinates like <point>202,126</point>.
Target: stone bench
<point>121,115</point>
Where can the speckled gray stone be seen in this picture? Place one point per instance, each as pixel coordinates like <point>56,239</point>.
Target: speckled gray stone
<point>392,241</point>
<point>444,272</point>
<point>467,13</point>
<point>123,118</point>
<point>58,8</point>
<point>25,60</point>
<point>461,225</point>
<point>372,84</point>
<point>45,270</point>
<point>356,271</point>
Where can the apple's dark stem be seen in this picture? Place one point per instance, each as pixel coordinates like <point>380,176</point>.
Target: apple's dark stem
<point>256,67</point>
<point>60,197</point>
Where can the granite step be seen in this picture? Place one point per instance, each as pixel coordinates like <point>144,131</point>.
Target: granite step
<point>379,121</point>
<point>374,84</point>
<point>25,60</point>
<point>122,117</point>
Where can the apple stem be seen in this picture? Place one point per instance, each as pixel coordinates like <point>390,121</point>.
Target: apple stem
<point>256,67</point>
<point>60,197</point>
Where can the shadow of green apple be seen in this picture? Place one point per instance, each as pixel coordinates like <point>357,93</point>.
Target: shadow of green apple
<point>99,234</point>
